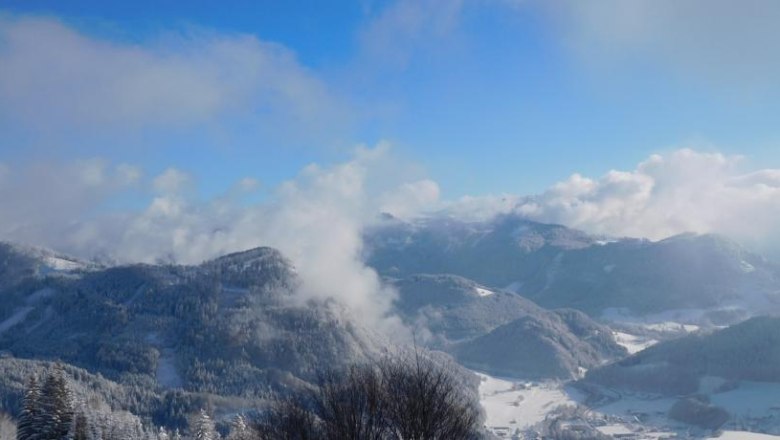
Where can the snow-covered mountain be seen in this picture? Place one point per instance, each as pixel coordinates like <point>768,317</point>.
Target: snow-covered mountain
<point>18,261</point>
<point>558,345</point>
<point>501,332</point>
<point>748,351</point>
<point>559,267</point>
<point>227,326</point>
<point>507,297</point>
<point>448,309</point>
<point>497,252</point>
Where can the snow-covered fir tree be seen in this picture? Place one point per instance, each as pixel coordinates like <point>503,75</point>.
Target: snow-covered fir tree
<point>239,430</point>
<point>204,427</point>
<point>80,427</point>
<point>56,416</point>
<point>28,426</point>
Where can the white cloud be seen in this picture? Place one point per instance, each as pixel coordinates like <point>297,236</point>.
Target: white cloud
<point>43,201</point>
<point>409,199</point>
<point>685,191</point>
<point>56,79</point>
<point>482,208</point>
<point>316,220</point>
<point>715,40</point>
<point>172,181</point>
<point>248,184</point>
<point>682,191</point>
<point>403,28</point>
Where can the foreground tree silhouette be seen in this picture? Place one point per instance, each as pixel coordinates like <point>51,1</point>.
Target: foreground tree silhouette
<point>353,406</point>
<point>288,418</point>
<point>426,402</point>
<point>408,398</point>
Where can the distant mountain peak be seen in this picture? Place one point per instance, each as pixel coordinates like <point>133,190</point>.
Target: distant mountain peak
<point>24,260</point>
<point>258,254</point>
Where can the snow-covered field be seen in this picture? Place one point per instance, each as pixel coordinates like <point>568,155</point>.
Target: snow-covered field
<point>743,435</point>
<point>511,405</point>
<point>634,433</point>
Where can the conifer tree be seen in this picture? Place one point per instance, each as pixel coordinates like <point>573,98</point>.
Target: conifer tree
<point>239,429</point>
<point>28,427</point>
<point>80,427</point>
<point>56,406</point>
<point>204,427</point>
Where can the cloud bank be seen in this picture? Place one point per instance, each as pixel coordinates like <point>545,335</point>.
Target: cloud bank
<point>316,219</point>
<point>71,206</point>
<point>683,191</point>
<point>57,79</point>
<point>715,40</point>
<point>405,28</point>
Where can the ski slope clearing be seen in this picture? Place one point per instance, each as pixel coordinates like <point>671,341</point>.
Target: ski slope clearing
<point>679,320</point>
<point>18,316</point>
<point>632,343</point>
<point>55,263</point>
<point>166,373</point>
<point>483,292</point>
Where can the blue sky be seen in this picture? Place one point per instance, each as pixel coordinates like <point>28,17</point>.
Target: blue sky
<point>498,99</point>
<point>643,117</point>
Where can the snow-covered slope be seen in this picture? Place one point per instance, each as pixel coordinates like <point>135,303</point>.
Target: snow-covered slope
<point>501,332</point>
<point>19,261</point>
<point>493,253</point>
<point>228,325</point>
<point>560,267</point>
<point>558,345</point>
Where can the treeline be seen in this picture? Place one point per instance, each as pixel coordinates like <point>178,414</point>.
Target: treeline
<point>410,397</point>
<point>51,411</point>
